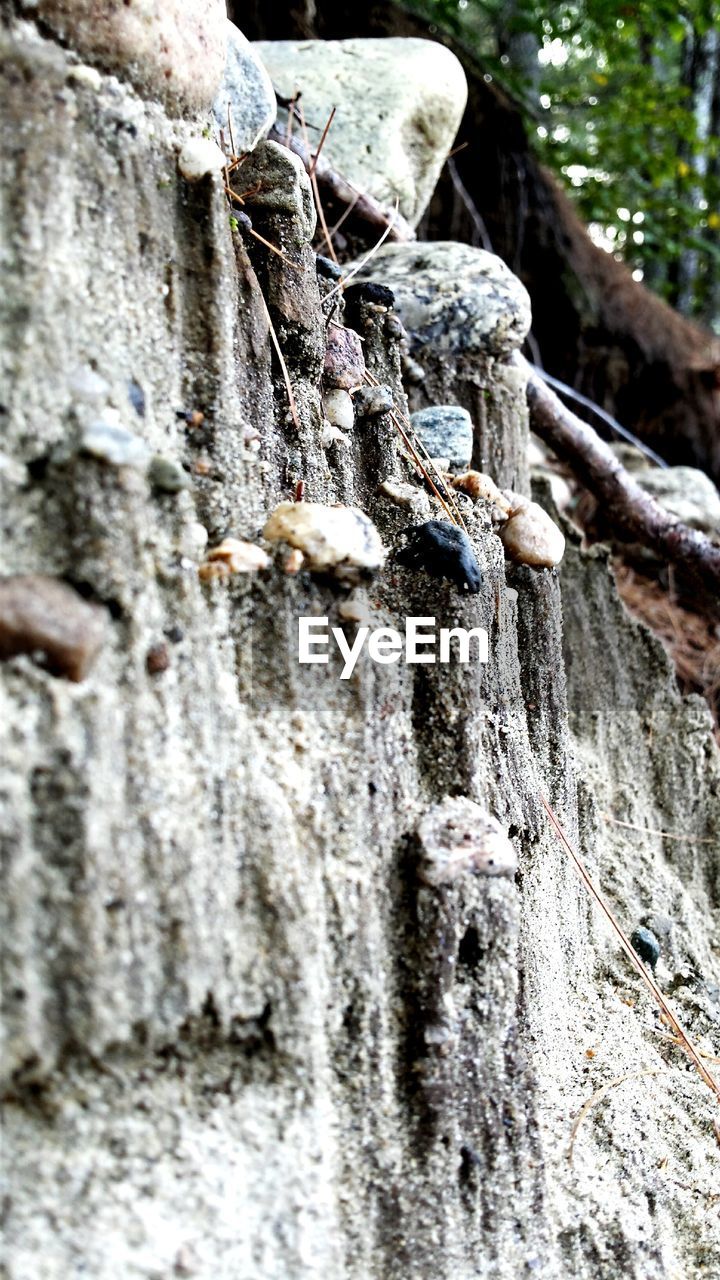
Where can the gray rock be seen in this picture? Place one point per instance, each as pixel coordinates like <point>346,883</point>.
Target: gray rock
<point>687,493</point>
<point>446,430</point>
<point>284,187</point>
<point>453,297</point>
<point>114,444</point>
<point>167,474</point>
<point>247,89</point>
<point>372,401</point>
<point>399,103</point>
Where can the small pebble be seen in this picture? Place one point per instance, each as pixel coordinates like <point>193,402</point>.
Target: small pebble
<point>200,157</point>
<point>191,417</point>
<point>412,371</point>
<point>531,537</point>
<point>339,540</point>
<point>167,475</point>
<point>326,268</point>
<point>406,495</point>
<point>444,551</point>
<point>333,435</point>
<point>293,562</point>
<point>479,486</point>
<point>233,556</point>
<point>338,407</point>
<point>88,387</point>
<point>43,615</point>
<point>371,401</point>
<point>370,292</point>
<point>645,945</point>
<point>457,837</point>
<point>137,397</point>
<point>446,430</point>
<point>357,610</point>
<point>157,659</point>
<point>344,359</point>
<point>114,444</point>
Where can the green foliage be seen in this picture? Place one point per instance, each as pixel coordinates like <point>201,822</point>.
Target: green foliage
<point>622,110</point>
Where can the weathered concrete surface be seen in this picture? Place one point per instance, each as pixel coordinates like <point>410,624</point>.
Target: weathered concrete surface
<point>242,1039</point>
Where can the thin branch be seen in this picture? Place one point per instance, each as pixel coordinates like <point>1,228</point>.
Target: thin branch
<point>607,418</point>
<point>367,208</point>
<point>359,265</point>
<point>635,961</point>
<point>633,514</point>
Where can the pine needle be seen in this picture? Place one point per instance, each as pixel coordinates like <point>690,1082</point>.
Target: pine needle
<point>600,1094</point>
<point>283,366</point>
<point>649,831</point>
<point>368,257</point>
<point>416,448</point>
<point>635,961</point>
<point>321,143</point>
<point>314,181</point>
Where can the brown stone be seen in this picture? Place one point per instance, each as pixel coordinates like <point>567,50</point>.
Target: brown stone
<point>344,359</point>
<point>44,615</point>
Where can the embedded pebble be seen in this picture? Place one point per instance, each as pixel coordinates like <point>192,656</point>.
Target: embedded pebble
<point>406,495</point>
<point>357,610</point>
<point>338,407</point>
<point>157,659</point>
<point>333,435</point>
<point>88,387</point>
<point>371,401</point>
<point>444,551</point>
<point>39,614</point>
<point>114,444</point>
<point>200,157</point>
<point>344,359</point>
<point>167,474</point>
<point>645,945</point>
<point>447,430</point>
<point>338,540</point>
<point>233,556</point>
<point>458,837</point>
<point>477,485</point>
<point>531,537</point>
<point>293,562</point>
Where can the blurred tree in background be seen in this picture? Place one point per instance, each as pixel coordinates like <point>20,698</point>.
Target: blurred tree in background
<point>623,101</point>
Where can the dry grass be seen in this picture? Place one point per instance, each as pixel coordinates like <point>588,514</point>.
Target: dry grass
<point>691,640</point>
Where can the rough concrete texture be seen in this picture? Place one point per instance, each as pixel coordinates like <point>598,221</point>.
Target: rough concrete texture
<point>398,107</point>
<point>243,1039</point>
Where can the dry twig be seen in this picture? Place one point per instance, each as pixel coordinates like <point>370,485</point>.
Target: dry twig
<point>633,514</point>
<point>636,963</point>
<point>366,207</point>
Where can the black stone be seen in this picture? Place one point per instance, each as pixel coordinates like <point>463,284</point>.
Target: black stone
<point>444,551</point>
<point>369,291</point>
<point>327,268</point>
<point>646,946</point>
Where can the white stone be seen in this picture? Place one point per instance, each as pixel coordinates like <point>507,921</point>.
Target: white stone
<point>338,540</point>
<point>453,298</point>
<point>398,103</point>
<point>339,409</point>
<point>200,157</point>
<point>531,537</point>
<point>686,493</point>
<point>457,838</point>
<point>247,89</point>
<point>108,440</point>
